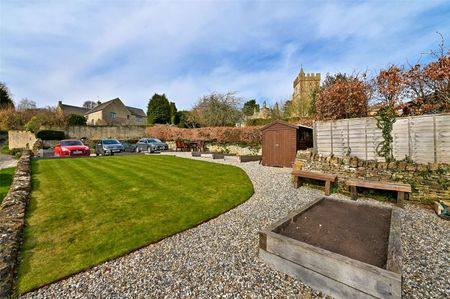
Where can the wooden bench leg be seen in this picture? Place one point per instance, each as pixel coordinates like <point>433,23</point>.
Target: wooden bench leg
<point>400,199</point>
<point>327,188</point>
<point>354,192</point>
<point>297,182</point>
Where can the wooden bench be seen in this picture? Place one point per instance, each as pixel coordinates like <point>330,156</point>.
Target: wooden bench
<point>181,145</point>
<point>328,178</point>
<point>400,188</point>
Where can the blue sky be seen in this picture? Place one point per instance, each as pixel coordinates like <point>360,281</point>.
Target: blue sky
<point>98,50</point>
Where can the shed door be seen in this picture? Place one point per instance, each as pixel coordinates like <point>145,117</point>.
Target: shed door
<point>277,148</point>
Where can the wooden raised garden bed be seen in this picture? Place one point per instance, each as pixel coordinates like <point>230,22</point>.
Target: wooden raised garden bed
<point>344,249</point>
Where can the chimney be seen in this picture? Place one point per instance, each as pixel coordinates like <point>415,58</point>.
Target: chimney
<point>59,102</point>
<point>98,103</point>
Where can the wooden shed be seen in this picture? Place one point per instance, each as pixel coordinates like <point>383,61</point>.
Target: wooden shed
<point>282,140</point>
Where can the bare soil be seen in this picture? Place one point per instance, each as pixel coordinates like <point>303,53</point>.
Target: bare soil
<point>359,232</point>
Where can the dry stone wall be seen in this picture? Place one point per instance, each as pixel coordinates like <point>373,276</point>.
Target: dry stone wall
<point>12,220</point>
<point>429,182</point>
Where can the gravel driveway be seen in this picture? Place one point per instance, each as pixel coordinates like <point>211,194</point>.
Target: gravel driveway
<point>219,258</point>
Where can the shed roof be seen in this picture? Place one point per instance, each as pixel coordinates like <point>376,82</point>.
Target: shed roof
<point>285,124</point>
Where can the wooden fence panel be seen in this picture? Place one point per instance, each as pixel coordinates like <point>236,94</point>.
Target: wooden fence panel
<point>424,138</point>
<point>400,134</point>
<point>340,137</point>
<point>442,138</point>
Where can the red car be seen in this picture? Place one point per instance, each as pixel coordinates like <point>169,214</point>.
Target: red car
<point>71,147</point>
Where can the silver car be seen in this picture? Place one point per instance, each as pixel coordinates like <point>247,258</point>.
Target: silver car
<point>151,145</point>
<point>108,147</point>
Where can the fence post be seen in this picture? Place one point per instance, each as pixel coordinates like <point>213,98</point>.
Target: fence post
<point>435,139</point>
<point>348,135</point>
<point>316,150</point>
<point>331,136</point>
<point>365,138</point>
<point>409,138</point>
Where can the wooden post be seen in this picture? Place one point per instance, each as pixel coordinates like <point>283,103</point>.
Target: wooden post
<point>365,141</point>
<point>354,192</point>
<point>316,150</point>
<point>409,138</point>
<point>400,199</point>
<point>297,182</point>
<point>327,188</point>
<point>435,139</point>
<point>348,135</point>
<point>331,136</point>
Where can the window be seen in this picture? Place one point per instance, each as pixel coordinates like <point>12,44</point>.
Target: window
<point>128,117</point>
<point>112,115</point>
<point>71,143</point>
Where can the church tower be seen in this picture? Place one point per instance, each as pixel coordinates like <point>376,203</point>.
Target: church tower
<point>304,86</point>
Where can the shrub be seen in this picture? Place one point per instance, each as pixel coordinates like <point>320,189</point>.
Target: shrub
<point>258,121</point>
<point>76,120</point>
<point>5,150</point>
<point>11,119</point>
<point>33,124</point>
<point>50,135</point>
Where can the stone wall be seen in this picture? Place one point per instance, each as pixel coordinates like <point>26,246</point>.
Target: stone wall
<point>95,133</point>
<point>233,149</point>
<point>429,182</point>
<point>25,139</point>
<point>20,139</point>
<point>12,220</point>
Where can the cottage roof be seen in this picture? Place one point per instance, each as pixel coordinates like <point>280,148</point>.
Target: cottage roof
<point>102,106</point>
<point>69,109</point>
<point>132,110</point>
<point>136,111</point>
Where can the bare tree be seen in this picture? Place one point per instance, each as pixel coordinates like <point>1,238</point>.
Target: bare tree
<point>89,104</point>
<point>26,104</point>
<point>217,110</point>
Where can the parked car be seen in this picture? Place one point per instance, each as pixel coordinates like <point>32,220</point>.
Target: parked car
<point>128,147</point>
<point>71,147</point>
<point>151,145</point>
<point>108,147</point>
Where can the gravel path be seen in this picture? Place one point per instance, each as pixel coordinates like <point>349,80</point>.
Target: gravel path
<point>6,161</point>
<point>219,258</point>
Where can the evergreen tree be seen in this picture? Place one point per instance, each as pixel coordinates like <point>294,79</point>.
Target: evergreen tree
<point>249,107</point>
<point>5,97</point>
<point>173,114</point>
<point>158,110</point>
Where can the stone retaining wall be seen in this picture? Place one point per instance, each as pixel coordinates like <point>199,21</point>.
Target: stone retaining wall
<point>12,220</point>
<point>20,139</point>
<point>233,149</point>
<point>429,182</point>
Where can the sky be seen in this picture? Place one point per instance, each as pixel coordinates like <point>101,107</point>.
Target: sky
<point>75,51</point>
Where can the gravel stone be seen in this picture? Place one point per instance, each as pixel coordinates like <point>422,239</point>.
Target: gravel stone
<point>219,258</point>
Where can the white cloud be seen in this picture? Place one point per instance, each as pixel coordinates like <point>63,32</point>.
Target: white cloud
<point>104,49</point>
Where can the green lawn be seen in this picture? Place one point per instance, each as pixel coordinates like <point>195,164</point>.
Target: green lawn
<point>86,211</point>
<point>6,178</point>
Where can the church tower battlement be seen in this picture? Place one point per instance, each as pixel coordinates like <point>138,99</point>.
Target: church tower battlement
<point>304,86</point>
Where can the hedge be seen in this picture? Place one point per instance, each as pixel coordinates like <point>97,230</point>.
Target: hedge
<point>50,135</point>
<point>244,135</point>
